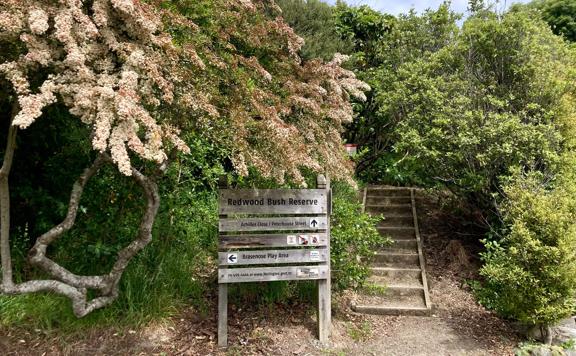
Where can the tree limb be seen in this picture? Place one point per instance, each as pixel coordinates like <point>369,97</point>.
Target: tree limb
<point>37,254</point>
<point>74,286</point>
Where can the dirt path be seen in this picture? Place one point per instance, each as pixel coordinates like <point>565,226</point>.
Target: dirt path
<point>458,326</point>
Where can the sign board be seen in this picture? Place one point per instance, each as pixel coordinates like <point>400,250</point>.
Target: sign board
<point>261,257</point>
<point>273,240</point>
<point>273,201</point>
<point>290,273</point>
<point>351,149</point>
<point>275,235</point>
<point>312,223</point>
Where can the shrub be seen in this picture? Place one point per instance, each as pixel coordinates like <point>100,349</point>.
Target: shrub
<point>531,274</point>
<point>354,239</point>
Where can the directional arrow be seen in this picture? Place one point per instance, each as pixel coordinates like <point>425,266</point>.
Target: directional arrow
<point>313,222</point>
<point>232,258</point>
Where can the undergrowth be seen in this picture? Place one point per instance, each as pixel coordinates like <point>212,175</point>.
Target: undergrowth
<point>178,269</point>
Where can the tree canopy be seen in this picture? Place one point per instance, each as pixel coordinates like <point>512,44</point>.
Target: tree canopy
<point>141,77</point>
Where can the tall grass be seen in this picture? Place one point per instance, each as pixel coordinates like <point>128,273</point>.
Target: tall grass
<point>173,271</point>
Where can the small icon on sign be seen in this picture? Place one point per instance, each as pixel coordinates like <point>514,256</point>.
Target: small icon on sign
<point>303,240</point>
<point>313,222</point>
<point>314,239</point>
<point>314,255</point>
<point>291,240</point>
<point>232,258</point>
<point>302,272</point>
<point>307,272</point>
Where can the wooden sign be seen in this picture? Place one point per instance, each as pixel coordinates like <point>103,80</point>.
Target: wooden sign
<point>268,274</point>
<point>292,227</point>
<point>273,240</point>
<point>312,223</point>
<point>273,201</point>
<point>261,257</point>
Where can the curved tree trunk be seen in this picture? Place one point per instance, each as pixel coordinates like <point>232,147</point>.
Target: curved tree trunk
<point>65,282</point>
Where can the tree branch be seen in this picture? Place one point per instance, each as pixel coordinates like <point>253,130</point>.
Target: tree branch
<point>144,232</point>
<point>37,255</point>
<point>74,286</point>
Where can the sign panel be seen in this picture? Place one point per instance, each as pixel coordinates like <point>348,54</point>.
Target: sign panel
<point>273,240</point>
<point>262,257</point>
<point>273,201</point>
<point>273,224</point>
<point>275,235</point>
<point>290,273</point>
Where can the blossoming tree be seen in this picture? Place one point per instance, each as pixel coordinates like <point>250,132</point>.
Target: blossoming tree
<point>137,74</point>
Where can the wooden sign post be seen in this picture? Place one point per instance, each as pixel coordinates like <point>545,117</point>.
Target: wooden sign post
<point>262,230</point>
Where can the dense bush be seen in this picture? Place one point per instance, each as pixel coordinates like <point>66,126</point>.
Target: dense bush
<point>531,272</point>
<point>385,47</point>
<point>472,109</point>
<point>491,99</point>
<point>134,81</point>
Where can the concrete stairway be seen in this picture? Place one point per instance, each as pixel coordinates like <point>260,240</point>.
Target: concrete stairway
<point>398,272</point>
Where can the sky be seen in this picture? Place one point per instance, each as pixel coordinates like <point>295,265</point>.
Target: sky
<point>396,7</point>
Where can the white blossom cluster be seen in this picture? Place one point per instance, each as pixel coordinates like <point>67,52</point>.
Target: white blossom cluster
<point>113,66</point>
<point>108,68</point>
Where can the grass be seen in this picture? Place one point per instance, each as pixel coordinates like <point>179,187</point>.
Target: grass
<point>155,286</point>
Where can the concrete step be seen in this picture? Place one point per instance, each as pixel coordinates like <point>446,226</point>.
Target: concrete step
<point>398,209</point>
<point>399,260</point>
<point>399,250</point>
<point>398,233</point>
<point>383,200</point>
<point>386,310</point>
<point>400,280</point>
<point>388,191</point>
<point>395,297</point>
<point>408,244</point>
<point>402,290</point>
<point>397,221</point>
<point>394,273</point>
<point>401,246</point>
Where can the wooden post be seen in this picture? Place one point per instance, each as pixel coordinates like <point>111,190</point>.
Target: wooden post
<point>324,312</point>
<point>223,315</point>
<point>223,295</point>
